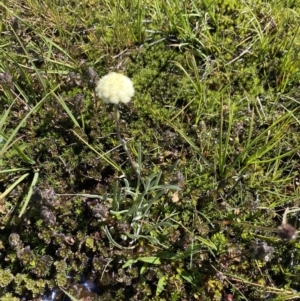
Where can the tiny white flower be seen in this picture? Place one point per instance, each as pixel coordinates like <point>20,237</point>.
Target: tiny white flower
<point>115,88</point>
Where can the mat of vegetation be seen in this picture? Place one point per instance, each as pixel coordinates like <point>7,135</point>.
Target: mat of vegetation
<point>188,192</point>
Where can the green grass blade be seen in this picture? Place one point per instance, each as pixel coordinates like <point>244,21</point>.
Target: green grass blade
<point>28,197</point>
<point>68,111</point>
<point>69,295</point>
<point>22,123</point>
<point>11,187</point>
<point>14,170</point>
<point>20,152</point>
<point>103,155</point>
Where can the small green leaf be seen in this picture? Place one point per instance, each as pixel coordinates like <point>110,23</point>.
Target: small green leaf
<point>151,259</point>
<point>129,263</point>
<point>161,284</point>
<point>143,269</point>
<point>186,276</point>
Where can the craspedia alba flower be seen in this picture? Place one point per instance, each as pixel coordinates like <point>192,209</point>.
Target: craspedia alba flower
<point>115,88</point>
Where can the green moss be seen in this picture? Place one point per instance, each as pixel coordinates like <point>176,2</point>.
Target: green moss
<point>6,278</point>
<point>9,297</point>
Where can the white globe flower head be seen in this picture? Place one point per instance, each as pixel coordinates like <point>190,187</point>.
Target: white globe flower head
<point>115,88</point>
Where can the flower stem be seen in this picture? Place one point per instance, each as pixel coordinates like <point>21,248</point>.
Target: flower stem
<point>124,145</point>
